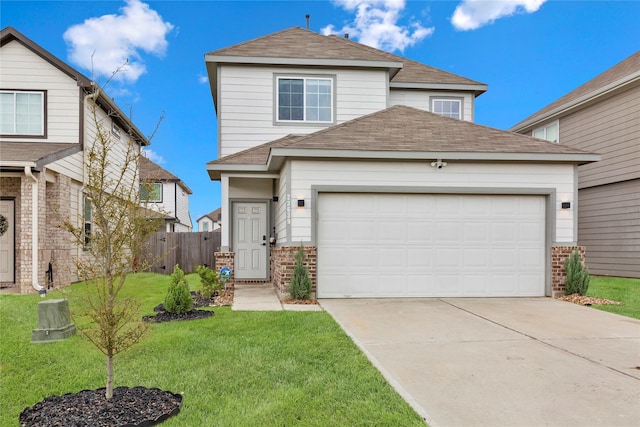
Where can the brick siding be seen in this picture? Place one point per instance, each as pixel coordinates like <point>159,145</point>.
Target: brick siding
<point>558,274</point>
<point>226,259</point>
<point>283,262</point>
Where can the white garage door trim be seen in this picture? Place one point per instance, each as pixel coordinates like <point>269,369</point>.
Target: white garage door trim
<point>431,245</point>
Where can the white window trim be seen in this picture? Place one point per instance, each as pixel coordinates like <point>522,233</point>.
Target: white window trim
<point>43,111</point>
<point>304,77</point>
<point>152,185</point>
<point>545,127</point>
<point>459,100</point>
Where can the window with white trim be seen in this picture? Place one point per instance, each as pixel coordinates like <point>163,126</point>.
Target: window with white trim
<point>88,222</point>
<point>205,226</point>
<point>22,113</point>
<point>151,192</point>
<point>304,99</point>
<point>447,107</point>
<point>548,132</point>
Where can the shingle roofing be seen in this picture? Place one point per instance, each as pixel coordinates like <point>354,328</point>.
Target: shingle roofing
<point>404,129</point>
<point>40,153</point>
<point>152,171</point>
<point>305,44</point>
<point>615,74</point>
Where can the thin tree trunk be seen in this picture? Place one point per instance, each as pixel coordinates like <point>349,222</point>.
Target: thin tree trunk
<point>109,392</point>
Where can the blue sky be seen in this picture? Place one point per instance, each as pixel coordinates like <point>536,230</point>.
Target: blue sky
<point>529,52</point>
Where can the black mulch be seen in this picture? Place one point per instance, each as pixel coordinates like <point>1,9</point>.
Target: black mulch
<point>193,314</point>
<point>129,407</point>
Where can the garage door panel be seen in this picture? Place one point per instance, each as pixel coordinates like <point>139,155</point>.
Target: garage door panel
<point>396,245</point>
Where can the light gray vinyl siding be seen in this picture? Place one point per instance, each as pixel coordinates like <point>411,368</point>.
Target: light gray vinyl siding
<point>183,208</point>
<point>421,99</point>
<point>247,100</point>
<point>612,128</point>
<point>23,69</point>
<point>609,226</point>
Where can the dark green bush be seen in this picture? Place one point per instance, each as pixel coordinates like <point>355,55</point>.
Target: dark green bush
<point>577,281</point>
<point>210,281</point>
<point>178,299</point>
<point>300,287</point>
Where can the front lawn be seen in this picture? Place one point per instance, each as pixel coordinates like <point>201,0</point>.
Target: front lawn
<point>624,290</point>
<point>235,368</point>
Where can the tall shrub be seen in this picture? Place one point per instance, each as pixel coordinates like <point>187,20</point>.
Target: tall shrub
<point>300,287</point>
<point>577,281</point>
<point>178,299</point>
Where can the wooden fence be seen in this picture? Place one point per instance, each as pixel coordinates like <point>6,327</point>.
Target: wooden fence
<point>189,250</point>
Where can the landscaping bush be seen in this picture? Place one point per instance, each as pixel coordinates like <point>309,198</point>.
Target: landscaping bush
<point>210,281</point>
<point>178,299</point>
<point>577,281</point>
<point>300,287</point>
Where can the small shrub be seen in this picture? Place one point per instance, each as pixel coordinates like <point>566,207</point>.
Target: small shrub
<point>178,299</point>
<point>300,287</point>
<point>577,281</point>
<point>210,281</point>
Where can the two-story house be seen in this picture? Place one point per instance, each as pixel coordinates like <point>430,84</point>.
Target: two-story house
<point>46,125</point>
<point>372,162</point>
<point>210,221</point>
<point>602,115</point>
<point>162,191</point>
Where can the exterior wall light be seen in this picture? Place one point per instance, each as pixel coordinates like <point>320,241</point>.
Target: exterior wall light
<point>301,203</point>
<point>565,205</point>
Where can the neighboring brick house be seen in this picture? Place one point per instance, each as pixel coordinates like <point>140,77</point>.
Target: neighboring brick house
<point>45,125</point>
<point>373,163</point>
<point>164,192</point>
<point>210,221</point>
<point>602,115</point>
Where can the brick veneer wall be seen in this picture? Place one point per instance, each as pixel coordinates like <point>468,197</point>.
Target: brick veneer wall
<point>283,262</point>
<point>226,259</point>
<point>10,188</point>
<point>558,274</point>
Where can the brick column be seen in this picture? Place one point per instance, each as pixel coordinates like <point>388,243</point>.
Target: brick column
<point>226,259</point>
<point>283,262</point>
<point>558,274</point>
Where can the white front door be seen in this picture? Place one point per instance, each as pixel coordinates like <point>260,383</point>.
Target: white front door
<point>7,250</point>
<point>250,240</point>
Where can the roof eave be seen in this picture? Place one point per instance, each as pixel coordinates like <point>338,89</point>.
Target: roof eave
<point>316,62</point>
<point>215,170</point>
<point>629,80</point>
<point>478,88</point>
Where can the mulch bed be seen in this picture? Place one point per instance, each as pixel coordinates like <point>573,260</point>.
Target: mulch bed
<point>299,301</point>
<point>219,299</point>
<point>585,300</point>
<point>129,407</point>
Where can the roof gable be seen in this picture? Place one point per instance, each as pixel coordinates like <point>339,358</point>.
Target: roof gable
<point>154,172</point>
<point>620,74</point>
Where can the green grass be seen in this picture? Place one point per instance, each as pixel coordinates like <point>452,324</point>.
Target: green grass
<point>234,369</point>
<point>624,290</point>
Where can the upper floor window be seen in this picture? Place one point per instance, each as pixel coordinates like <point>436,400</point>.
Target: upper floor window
<point>22,113</point>
<point>447,107</point>
<point>305,99</point>
<point>151,193</point>
<point>205,226</point>
<point>548,132</point>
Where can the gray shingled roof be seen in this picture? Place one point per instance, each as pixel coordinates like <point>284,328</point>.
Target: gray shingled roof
<point>154,172</point>
<point>405,129</point>
<point>40,153</point>
<point>617,73</point>
<point>305,44</point>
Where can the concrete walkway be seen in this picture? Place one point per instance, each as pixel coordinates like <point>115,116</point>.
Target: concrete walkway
<point>501,361</point>
<point>264,298</point>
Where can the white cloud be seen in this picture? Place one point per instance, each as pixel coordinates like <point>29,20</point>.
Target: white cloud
<point>473,14</point>
<point>103,44</point>
<point>376,24</point>
<point>202,79</point>
<point>153,156</point>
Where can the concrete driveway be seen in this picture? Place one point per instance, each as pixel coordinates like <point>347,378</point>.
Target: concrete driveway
<point>501,361</point>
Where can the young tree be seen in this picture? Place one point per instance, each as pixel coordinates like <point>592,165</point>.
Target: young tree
<point>300,287</point>
<point>113,238</point>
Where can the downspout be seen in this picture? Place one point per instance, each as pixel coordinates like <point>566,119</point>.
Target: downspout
<point>34,232</point>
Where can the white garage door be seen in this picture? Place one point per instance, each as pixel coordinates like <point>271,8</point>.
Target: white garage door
<point>426,245</point>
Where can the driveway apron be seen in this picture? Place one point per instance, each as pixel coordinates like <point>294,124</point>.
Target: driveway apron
<point>501,361</point>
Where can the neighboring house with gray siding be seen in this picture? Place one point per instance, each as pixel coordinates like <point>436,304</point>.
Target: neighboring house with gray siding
<point>603,116</point>
<point>42,161</point>
<point>372,162</point>
<point>162,191</point>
